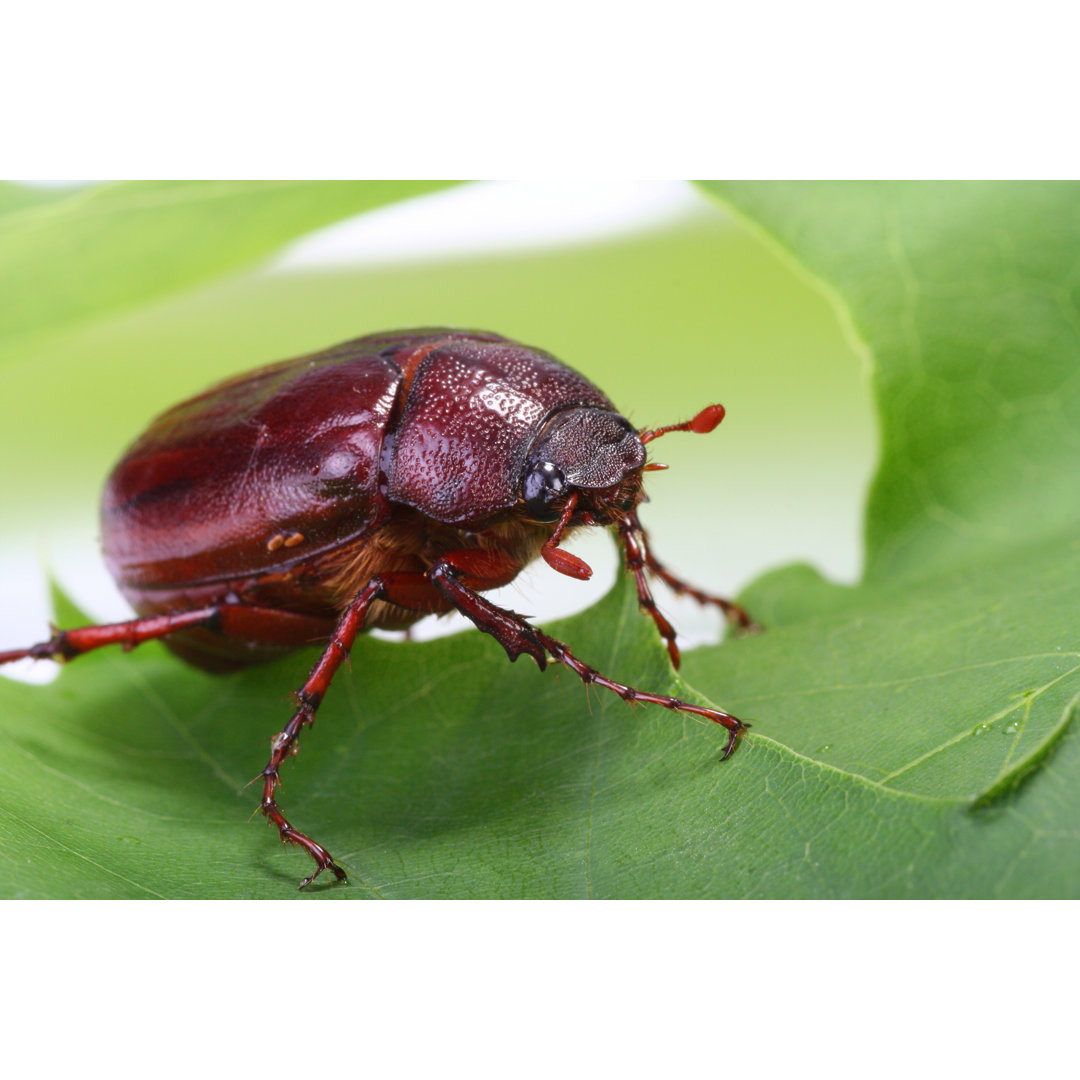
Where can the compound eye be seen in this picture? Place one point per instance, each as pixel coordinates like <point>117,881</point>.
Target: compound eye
<point>543,484</point>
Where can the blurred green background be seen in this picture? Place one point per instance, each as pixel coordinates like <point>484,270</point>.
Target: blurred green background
<point>665,318</point>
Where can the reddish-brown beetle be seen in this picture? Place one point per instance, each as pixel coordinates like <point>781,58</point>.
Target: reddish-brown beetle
<point>368,485</point>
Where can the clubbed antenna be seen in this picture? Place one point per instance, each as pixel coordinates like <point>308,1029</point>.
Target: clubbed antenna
<point>702,424</point>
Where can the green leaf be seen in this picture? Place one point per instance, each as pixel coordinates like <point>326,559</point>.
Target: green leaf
<point>952,688</point>
<point>438,770</point>
<point>72,255</point>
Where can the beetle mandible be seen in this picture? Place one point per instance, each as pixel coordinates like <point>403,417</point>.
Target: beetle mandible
<point>368,485</point>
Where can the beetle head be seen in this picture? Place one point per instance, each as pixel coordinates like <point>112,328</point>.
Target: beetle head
<point>587,463</point>
<point>590,452</point>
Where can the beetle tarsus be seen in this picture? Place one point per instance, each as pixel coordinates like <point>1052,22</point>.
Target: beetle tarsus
<point>289,835</point>
<point>631,694</point>
<point>734,735</point>
<point>330,865</point>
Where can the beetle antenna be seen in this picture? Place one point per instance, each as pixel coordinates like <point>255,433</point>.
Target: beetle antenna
<point>702,424</point>
<point>563,561</point>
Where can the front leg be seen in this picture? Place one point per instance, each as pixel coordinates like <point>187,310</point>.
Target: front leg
<point>736,615</point>
<point>634,555</point>
<point>514,633</point>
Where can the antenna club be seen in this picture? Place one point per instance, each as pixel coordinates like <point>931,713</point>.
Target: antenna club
<point>707,420</point>
<point>702,424</point>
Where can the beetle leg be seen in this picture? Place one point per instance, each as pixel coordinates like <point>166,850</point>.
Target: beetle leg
<point>635,553</point>
<point>309,696</point>
<point>517,636</point>
<point>736,615</point>
<point>67,644</point>
<point>238,621</point>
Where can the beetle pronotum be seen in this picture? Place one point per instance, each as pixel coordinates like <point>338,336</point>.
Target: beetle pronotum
<point>368,485</point>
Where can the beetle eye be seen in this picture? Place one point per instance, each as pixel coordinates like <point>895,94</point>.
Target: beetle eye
<point>542,485</point>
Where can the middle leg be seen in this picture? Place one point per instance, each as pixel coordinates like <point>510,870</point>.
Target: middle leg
<point>309,696</point>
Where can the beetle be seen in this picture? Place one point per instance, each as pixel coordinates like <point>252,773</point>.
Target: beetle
<point>390,477</point>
